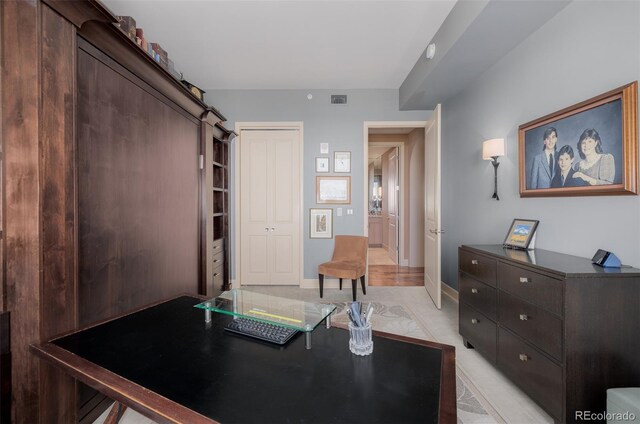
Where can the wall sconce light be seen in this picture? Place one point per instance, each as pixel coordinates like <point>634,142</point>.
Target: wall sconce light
<point>492,150</point>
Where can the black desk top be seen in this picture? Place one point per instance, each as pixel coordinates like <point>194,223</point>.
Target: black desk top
<point>169,350</point>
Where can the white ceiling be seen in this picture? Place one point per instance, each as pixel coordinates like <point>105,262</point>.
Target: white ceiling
<point>303,44</point>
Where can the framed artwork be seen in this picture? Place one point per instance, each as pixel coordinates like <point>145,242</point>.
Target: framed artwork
<point>333,190</point>
<point>341,161</point>
<point>320,223</point>
<point>587,149</point>
<point>521,233</point>
<point>322,164</point>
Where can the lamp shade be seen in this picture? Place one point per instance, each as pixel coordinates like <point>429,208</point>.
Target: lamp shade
<point>493,147</point>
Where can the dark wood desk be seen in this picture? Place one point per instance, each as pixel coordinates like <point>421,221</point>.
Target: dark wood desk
<point>165,362</point>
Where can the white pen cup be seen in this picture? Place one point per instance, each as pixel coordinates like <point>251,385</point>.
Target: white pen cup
<point>360,341</point>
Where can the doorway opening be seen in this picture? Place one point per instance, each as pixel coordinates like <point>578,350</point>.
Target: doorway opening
<point>394,202</point>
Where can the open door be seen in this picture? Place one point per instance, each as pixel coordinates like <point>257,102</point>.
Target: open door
<point>432,242</point>
<point>394,205</point>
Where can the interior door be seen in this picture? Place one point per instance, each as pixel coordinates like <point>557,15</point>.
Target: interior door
<point>270,207</point>
<point>394,179</point>
<point>433,229</point>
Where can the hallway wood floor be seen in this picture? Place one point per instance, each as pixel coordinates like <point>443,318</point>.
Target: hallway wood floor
<point>383,271</point>
<point>394,275</point>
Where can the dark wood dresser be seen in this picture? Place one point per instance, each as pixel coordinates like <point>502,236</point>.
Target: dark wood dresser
<point>564,330</point>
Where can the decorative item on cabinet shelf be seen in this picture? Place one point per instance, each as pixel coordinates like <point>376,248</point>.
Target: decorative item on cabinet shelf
<point>161,56</point>
<point>522,234</point>
<point>128,25</point>
<point>198,92</point>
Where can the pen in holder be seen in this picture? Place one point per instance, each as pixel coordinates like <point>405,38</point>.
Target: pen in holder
<point>360,341</point>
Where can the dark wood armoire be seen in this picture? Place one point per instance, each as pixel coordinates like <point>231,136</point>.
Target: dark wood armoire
<point>114,191</point>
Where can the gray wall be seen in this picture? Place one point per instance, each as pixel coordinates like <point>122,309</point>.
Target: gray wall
<point>339,125</point>
<point>587,49</point>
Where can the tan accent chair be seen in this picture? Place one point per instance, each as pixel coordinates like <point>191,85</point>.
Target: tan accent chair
<point>349,261</point>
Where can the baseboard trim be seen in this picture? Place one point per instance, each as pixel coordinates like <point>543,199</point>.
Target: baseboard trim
<point>449,291</point>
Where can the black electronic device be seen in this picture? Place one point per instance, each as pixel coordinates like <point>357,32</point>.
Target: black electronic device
<point>606,259</point>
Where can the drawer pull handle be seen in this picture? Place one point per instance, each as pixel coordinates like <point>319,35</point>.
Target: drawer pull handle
<point>474,262</point>
<point>524,317</point>
<point>525,280</point>
<point>474,321</point>
<point>474,291</point>
<point>524,357</point>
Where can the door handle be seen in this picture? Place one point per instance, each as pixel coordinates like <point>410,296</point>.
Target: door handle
<point>436,231</point>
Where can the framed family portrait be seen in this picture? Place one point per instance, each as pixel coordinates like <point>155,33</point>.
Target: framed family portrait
<point>322,164</point>
<point>333,190</point>
<point>320,223</point>
<point>341,161</point>
<point>521,233</point>
<point>587,149</point>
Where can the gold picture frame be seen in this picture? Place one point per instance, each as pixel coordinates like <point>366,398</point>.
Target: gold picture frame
<point>333,190</point>
<point>588,149</point>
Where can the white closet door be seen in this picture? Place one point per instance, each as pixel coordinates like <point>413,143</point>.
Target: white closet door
<point>270,207</point>
<point>284,246</point>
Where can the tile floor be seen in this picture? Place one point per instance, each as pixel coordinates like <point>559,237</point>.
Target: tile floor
<point>509,404</point>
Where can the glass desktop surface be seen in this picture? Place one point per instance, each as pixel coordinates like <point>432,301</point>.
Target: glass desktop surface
<point>296,314</point>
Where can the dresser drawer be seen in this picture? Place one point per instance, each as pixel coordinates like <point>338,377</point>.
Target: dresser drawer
<point>217,246</point>
<point>479,295</point>
<point>218,258</point>
<point>479,330</point>
<point>537,326</point>
<point>481,267</point>
<point>217,282</point>
<point>532,371</point>
<point>538,289</point>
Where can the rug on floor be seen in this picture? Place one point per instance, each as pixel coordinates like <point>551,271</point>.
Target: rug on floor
<point>396,319</point>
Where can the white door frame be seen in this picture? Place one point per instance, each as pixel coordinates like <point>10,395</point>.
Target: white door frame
<point>387,124</point>
<point>237,282</point>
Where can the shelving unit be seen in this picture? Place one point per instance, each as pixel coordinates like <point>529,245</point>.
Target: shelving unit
<point>216,148</point>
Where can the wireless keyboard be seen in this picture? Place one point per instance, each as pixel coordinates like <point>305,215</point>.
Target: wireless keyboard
<point>260,330</point>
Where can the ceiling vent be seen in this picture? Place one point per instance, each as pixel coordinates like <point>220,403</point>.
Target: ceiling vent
<point>338,99</point>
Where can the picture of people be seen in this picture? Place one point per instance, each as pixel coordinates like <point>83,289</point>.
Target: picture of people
<point>580,150</point>
<point>596,167</point>
<point>566,174</point>
<point>544,163</point>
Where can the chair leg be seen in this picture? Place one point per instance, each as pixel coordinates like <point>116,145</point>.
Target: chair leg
<point>321,279</point>
<point>341,284</point>
<point>353,288</point>
<point>364,290</point>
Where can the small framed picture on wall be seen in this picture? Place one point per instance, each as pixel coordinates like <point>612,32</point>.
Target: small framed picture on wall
<point>342,162</point>
<point>322,164</point>
<point>320,223</point>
